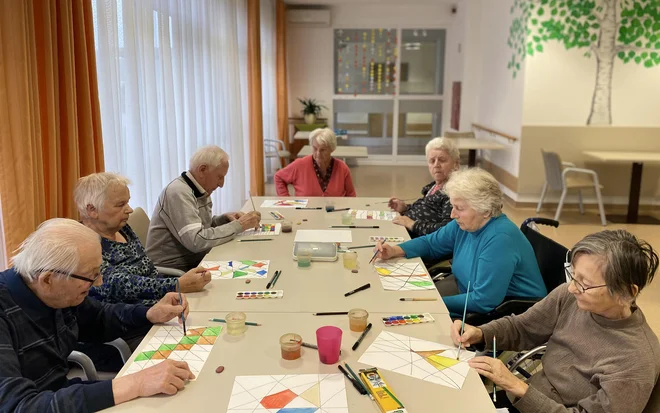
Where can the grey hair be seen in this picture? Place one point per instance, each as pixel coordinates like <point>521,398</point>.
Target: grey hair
<point>210,155</point>
<point>478,188</point>
<point>324,136</point>
<point>444,144</point>
<point>92,190</point>
<point>53,246</point>
<point>625,260</point>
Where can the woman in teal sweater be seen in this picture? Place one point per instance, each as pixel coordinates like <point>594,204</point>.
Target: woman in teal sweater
<point>489,250</point>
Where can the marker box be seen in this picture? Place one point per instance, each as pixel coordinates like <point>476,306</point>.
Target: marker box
<point>259,295</point>
<point>376,385</point>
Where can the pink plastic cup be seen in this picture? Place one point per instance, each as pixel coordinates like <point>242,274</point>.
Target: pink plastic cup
<point>328,339</point>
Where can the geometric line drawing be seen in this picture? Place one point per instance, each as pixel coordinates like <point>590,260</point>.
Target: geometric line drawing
<point>293,393</point>
<point>264,229</point>
<point>169,343</point>
<point>379,215</point>
<point>403,276</point>
<point>421,359</point>
<point>284,203</point>
<point>227,270</point>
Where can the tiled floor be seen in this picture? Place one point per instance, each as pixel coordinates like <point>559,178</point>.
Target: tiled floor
<point>406,182</point>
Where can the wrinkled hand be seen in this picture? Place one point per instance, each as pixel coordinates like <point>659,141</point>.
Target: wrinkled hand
<point>495,370</point>
<point>386,251</point>
<point>233,216</point>
<point>397,205</point>
<point>166,377</point>
<point>250,220</point>
<point>194,280</point>
<point>404,221</point>
<point>471,335</point>
<point>167,308</point>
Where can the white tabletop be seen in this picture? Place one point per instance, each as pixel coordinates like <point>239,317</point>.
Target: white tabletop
<point>340,152</point>
<point>471,143</point>
<point>304,135</point>
<point>257,352</point>
<point>616,156</point>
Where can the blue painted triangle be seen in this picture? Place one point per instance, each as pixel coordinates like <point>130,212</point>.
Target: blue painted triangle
<point>298,410</point>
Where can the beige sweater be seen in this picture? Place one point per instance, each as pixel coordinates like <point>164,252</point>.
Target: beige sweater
<point>592,364</point>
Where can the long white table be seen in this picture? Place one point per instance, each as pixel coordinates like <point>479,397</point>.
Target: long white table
<point>317,289</point>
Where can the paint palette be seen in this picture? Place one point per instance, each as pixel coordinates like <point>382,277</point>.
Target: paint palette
<point>402,320</point>
<point>374,238</point>
<point>256,295</point>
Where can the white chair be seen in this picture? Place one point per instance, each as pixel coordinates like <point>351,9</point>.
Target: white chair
<point>562,176</point>
<point>139,222</point>
<point>274,148</point>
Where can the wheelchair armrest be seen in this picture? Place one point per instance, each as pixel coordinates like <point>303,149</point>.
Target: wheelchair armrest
<point>123,348</point>
<point>515,305</point>
<point>85,363</point>
<point>169,272</point>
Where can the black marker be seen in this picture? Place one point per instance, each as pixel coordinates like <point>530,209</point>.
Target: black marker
<point>357,290</point>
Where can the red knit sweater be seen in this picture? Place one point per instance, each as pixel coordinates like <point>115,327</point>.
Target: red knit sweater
<point>301,175</point>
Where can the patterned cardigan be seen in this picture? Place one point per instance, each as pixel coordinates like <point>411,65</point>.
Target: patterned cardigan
<point>430,213</point>
<point>129,276</point>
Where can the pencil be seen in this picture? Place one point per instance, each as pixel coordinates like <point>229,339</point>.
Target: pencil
<point>355,226</point>
<point>332,313</point>
<point>356,377</point>
<point>183,317</point>
<point>247,323</point>
<point>467,294</point>
<point>494,356</point>
<point>359,388</point>
<point>254,240</point>
<point>361,246</point>
<point>393,397</point>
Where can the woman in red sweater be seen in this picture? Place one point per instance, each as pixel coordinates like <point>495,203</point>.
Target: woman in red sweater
<point>318,174</point>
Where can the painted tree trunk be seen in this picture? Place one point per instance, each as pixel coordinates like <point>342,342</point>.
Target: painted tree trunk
<point>601,104</point>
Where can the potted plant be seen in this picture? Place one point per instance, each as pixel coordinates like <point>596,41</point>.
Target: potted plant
<point>311,110</point>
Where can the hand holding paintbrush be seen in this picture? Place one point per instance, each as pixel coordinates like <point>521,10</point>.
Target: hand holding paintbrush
<point>385,252</point>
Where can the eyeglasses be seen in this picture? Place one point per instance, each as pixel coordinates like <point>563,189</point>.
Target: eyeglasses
<point>569,276</point>
<point>77,277</point>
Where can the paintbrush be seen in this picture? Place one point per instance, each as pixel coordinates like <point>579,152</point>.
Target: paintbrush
<point>467,294</point>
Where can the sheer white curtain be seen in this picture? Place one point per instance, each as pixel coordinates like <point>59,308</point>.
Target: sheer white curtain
<point>268,72</point>
<point>171,79</point>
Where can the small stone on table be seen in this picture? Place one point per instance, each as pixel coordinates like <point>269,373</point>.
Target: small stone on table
<point>354,271</point>
<point>248,281</point>
<point>220,369</point>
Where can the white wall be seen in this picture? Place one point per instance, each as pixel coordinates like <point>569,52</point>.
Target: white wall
<point>310,51</point>
<point>500,97</point>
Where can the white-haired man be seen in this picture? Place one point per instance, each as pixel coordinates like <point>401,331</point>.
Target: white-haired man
<point>183,229</point>
<point>45,311</point>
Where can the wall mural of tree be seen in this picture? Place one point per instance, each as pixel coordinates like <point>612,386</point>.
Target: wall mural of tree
<point>628,30</point>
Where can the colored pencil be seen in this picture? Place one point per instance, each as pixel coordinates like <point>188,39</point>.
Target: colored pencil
<point>467,294</point>
<point>494,356</point>
<point>255,240</point>
<point>309,208</point>
<point>183,317</point>
<point>247,323</point>
<point>359,340</point>
<point>332,313</point>
<point>272,281</point>
<point>276,278</point>
<point>359,388</point>
<point>357,290</point>
<point>418,299</point>
<point>356,377</point>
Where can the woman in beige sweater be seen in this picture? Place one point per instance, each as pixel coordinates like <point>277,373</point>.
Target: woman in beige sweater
<point>601,354</point>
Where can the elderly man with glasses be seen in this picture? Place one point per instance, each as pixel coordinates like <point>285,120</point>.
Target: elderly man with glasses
<point>45,311</point>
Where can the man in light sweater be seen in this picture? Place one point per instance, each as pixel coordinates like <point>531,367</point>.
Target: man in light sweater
<point>601,354</point>
<point>183,229</point>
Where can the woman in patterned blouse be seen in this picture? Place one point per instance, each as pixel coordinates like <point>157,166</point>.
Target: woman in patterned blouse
<point>318,174</point>
<point>129,276</point>
<point>432,211</point>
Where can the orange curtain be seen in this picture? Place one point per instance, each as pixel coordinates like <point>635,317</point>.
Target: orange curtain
<point>50,124</point>
<point>257,184</point>
<point>282,86</point>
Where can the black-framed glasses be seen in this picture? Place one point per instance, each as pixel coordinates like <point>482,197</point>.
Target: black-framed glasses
<point>568,269</point>
<point>76,276</point>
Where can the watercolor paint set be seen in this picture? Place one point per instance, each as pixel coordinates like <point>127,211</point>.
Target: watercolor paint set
<point>408,319</point>
<point>256,295</point>
<point>375,238</point>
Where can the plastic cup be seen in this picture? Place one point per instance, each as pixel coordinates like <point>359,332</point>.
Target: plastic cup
<point>235,323</point>
<point>328,339</point>
<point>357,319</point>
<point>304,256</point>
<point>350,260</point>
<point>290,345</point>
<point>347,218</point>
<point>287,226</point>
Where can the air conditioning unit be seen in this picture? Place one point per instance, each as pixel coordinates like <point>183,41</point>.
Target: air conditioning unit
<point>309,17</point>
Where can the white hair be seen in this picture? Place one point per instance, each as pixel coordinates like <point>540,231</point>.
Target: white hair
<point>478,188</point>
<point>55,245</point>
<point>324,136</point>
<point>210,155</point>
<point>444,144</point>
<point>92,190</point>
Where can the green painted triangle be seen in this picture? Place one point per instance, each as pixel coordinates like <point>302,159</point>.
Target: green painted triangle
<point>145,355</point>
<point>239,274</point>
<point>249,262</point>
<point>421,283</point>
<point>165,347</point>
<point>189,339</point>
<point>212,331</point>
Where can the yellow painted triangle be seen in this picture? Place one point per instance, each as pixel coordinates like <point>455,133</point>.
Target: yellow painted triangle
<point>445,362</point>
<point>313,395</point>
<point>427,354</point>
<point>383,271</point>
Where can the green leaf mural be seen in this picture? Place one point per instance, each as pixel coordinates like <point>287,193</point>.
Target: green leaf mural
<point>628,30</point>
